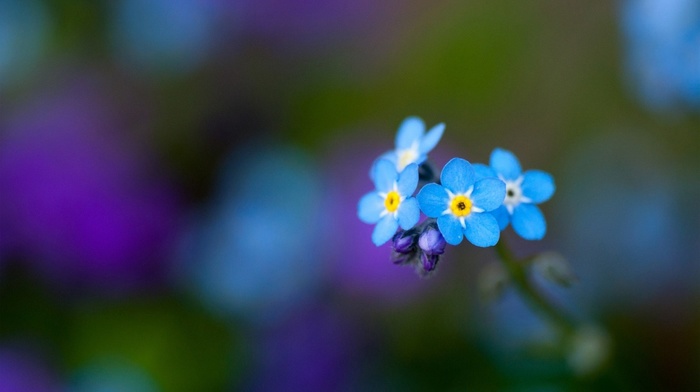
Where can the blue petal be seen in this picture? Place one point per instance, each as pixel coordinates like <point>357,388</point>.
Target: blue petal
<point>457,175</point>
<point>384,175</point>
<point>408,180</point>
<point>433,200</point>
<point>482,171</point>
<point>410,130</point>
<point>502,216</point>
<point>529,222</point>
<point>489,193</point>
<point>451,229</point>
<point>385,229</point>
<point>420,159</point>
<point>370,207</point>
<point>538,186</point>
<point>408,213</point>
<point>389,156</point>
<point>431,139</point>
<point>482,229</point>
<point>505,164</point>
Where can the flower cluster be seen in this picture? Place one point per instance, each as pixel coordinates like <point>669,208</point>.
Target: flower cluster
<point>472,201</point>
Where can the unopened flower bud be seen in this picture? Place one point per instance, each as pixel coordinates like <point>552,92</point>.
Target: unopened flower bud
<point>431,241</point>
<point>555,268</point>
<point>429,262</point>
<point>404,241</point>
<point>404,248</point>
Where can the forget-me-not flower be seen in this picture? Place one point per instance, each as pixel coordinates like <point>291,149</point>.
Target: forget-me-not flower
<point>412,144</point>
<point>461,204</point>
<point>523,192</point>
<point>392,204</point>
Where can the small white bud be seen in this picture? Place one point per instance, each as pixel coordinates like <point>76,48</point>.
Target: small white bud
<point>492,282</point>
<point>555,268</point>
<point>589,349</point>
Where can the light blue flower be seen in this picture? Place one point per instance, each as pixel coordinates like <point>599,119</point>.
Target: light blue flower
<point>412,144</point>
<point>391,204</point>
<point>523,192</point>
<point>461,204</point>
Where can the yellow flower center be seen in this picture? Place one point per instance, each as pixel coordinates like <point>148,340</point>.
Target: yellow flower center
<point>406,157</point>
<point>392,201</point>
<point>461,206</point>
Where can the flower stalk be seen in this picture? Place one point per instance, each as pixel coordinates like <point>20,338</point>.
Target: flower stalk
<point>518,272</point>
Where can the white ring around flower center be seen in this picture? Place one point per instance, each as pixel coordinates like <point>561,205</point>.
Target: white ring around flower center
<point>407,156</point>
<point>384,195</point>
<point>514,193</point>
<point>466,194</point>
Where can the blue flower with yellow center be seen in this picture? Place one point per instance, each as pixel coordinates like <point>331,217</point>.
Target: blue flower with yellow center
<point>461,204</point>
<point>523,192</point>
<point>412,144</point>
<point>391,205</point>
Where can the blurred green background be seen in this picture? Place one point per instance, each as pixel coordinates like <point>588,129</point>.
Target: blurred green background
<point>179,182</point>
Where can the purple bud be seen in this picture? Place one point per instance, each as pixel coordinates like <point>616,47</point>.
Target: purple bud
<point>429,261</point>
<point>404,242</point>
<point>432,242</point>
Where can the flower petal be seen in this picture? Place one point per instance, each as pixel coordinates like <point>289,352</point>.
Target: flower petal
<point>370,207</point>
<point>502,216</point>
<point>431,139</point>
<point>457,175</point>
<point>482,229</point>
<point>384,175</point>
<point>505,164</point>
<point>529,222</point>
<point>538,186</point>
<point>489,193</point>
<point>410,130</point>
<point>408,213</point>
<point>389,156</point>
<point>433,200</point>
<point>451,229</point>
<point>482,171</point>
<point>408,180</point>
<point>385,229</point>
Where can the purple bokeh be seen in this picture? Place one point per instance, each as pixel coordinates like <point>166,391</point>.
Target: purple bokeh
<point>21,371</point>
<point>311,21</point>
<point>78,198</point>
<point>312,351</point>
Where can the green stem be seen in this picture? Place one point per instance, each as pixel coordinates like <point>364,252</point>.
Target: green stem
<point>518,273</point>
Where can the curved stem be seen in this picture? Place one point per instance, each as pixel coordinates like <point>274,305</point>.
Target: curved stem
<point>518,273</point>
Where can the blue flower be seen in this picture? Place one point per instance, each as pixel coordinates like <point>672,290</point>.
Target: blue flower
<point>523,192</point>
<point>391,205</point>
<point>461,204</point>
<point>412,144</point>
